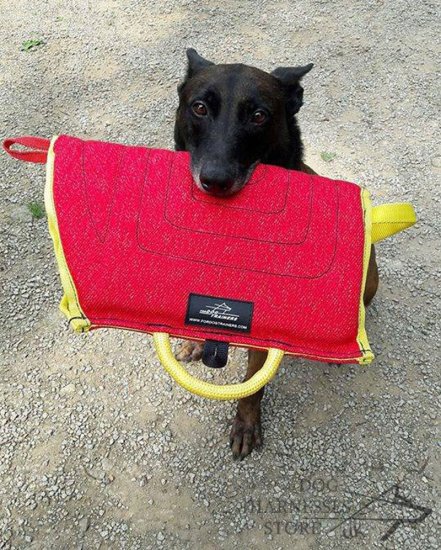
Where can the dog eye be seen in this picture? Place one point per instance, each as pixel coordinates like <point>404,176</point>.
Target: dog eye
<point>258,117</point>
<point>199,108</point>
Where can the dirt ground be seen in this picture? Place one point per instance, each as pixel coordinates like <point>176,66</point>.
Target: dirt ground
<point>98,448</point>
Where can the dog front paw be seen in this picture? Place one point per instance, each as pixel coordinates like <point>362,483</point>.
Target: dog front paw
<point>245,436</point>
<point>190,351</point>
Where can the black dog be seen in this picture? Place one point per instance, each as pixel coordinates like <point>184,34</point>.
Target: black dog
<point>230,118</point>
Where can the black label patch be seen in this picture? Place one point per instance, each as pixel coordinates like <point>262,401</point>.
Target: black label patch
<point>209,311</point>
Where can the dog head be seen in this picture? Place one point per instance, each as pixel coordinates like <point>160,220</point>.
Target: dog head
<point>231,117</point>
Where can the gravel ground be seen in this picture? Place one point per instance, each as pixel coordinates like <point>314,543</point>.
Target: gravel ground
<point>98,448</point>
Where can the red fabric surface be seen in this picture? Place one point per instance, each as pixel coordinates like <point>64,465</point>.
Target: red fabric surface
<point>139,237</point>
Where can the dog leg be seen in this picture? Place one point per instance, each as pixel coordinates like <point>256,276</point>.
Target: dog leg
<point>190,351</point>
<point>372,279</point>
<point>246,432</point>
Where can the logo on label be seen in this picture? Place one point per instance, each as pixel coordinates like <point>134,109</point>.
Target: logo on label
<point>219,312</point>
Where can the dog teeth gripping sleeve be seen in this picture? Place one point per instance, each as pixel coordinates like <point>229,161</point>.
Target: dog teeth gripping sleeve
<point>279,266</point>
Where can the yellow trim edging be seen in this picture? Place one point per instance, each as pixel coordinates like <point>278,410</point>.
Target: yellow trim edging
<point>69,304</point>
<point>362,338</point>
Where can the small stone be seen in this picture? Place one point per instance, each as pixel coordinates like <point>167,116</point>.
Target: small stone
<point>106,465</point>
<point>70,388</point>
<point>84,524</point>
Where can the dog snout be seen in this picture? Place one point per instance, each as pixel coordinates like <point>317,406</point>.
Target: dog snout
<point>215,180</point>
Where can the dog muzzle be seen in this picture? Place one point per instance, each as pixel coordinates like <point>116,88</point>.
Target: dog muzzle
<point>280,266</point>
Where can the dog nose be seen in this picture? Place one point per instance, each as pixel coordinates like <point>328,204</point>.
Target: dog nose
<point>215,184</point>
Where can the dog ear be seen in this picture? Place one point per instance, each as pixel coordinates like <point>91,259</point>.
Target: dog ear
<point>290,78</point>
<point>195,62</point>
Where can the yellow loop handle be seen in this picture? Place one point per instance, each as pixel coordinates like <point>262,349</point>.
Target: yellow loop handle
<point>388,219</point>
<point>213,391</point>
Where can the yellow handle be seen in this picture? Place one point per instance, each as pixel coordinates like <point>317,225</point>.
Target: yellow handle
<point>213,391</point>
<point>388,219</point>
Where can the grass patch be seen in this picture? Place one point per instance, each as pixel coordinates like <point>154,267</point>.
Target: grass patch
<point>327,156</point>
<point>37,210</point>
<point>29,44</point>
